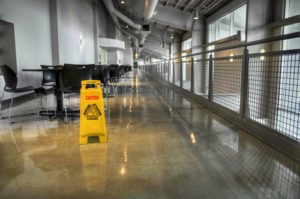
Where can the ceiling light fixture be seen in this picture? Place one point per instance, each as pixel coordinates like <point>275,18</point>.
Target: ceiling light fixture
<point>262,51</point>
<point>122,1</point>
<point>196,15</point>
<point>231,57</point>
<point>172,36</point>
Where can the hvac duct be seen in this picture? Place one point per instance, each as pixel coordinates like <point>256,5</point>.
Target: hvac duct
<point>149,8</point>
<point>113,12</point>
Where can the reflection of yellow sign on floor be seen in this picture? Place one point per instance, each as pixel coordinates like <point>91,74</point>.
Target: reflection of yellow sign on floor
<point>94,168</point>
<point>92,116</point>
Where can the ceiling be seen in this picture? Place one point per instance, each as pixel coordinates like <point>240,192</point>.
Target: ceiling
<point>170,17</point>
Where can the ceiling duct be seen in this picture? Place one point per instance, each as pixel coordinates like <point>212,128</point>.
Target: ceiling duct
<point>149,7</point>
<point>135,39</point>
<point>114,12</point>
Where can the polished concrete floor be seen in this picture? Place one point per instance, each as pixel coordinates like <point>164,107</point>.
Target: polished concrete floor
<point>161,145</point>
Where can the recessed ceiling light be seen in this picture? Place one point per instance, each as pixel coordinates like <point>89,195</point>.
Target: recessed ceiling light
<point>122,1</point>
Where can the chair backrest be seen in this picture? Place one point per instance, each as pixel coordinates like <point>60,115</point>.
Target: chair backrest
<point>10,77</point>
<point>97,73</point>
<point>73,74</point>
<point>49,76</point>
<point>114,70</point>
<point>106,73</point>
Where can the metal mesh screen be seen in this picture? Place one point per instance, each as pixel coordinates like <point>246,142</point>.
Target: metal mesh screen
<point>159,71</point>
<point>201,77</point>
<point>274,91</point>
<point>227,82</point>
<point>186,75</point>
<point>171,71</point>
<point>177,73</point>
<point>165,71</point>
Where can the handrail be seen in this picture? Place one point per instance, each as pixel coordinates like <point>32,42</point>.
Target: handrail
<point>251,43</point>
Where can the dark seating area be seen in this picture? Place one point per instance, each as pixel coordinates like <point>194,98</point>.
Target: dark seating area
<point>73,74</point>
<point>65,81</point>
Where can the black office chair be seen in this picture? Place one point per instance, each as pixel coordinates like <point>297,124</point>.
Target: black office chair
<point>49,81</point>
<point>106,75</point>
<point>101,72</point>
<point>49,78</point>
<point>121,71</point>
<point>114,73</point>
<point>97,73</point>
<point>11,82</point>
<point>72,75</point>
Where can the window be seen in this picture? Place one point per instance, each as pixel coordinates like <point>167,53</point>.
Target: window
<point>228,25</point>
<point>187,44</point>
<point>292,8</point>
<point>186,67</point>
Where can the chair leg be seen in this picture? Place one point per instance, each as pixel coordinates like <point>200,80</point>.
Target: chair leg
<point>55,102</point>
<point>10,106</point>
<point>47,106</point>
<point>2,97</point>
<point>66,114</point>
<point>36,106</point>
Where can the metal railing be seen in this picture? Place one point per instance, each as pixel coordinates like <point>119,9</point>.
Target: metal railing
<point>263,88</point>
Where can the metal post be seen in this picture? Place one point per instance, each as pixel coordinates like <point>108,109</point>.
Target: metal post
<point>192,75</point>
<point>244,84</point>
<point>167,69</point>
<point>173,65</point>
<point>210,89</point>
<point>163,71</point>
<point>180,74</point>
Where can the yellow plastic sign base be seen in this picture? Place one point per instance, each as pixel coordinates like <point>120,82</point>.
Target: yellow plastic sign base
<point>92,115</point>
<point>84,139</point>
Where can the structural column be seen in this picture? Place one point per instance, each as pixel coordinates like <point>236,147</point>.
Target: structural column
<point>200,68</point>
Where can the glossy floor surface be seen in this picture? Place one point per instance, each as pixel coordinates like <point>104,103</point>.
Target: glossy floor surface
<point>161,145</point>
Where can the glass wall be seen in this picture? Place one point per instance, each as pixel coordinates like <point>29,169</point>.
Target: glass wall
<point>186,64</point>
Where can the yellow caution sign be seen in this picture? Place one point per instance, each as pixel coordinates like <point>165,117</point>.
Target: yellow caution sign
<point>92,115</point>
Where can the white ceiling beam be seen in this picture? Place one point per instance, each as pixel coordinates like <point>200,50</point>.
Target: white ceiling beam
<point>188,5</point>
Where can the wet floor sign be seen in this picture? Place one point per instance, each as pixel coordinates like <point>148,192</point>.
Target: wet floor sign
<point>92,116</point>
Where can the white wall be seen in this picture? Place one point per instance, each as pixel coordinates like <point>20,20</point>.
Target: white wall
<point>112,57</point>
<point>75,18</point>
<point>31,19</point>
<point>128,56</point>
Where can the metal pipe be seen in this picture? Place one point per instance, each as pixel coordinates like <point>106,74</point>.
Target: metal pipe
<point>127,20</point>
<point>135,39</point>
<point>142,38</point>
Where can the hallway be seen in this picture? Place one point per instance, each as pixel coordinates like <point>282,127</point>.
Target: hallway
<point>161,145</point>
